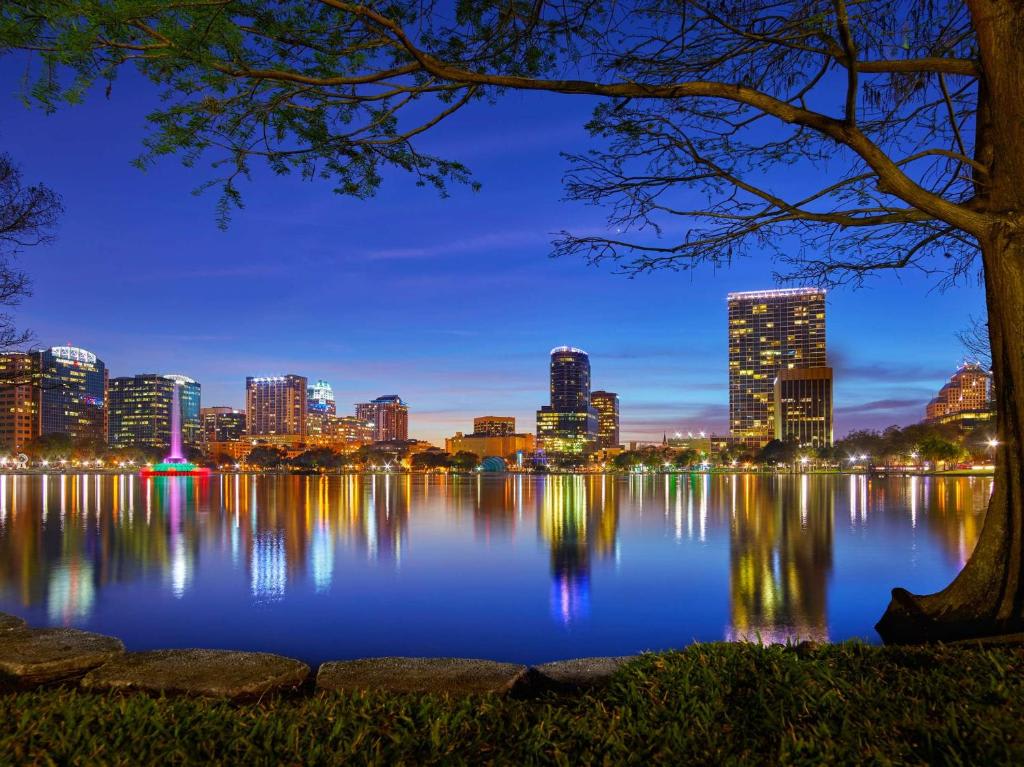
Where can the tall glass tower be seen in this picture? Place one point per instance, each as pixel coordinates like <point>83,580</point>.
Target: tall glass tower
<point>769,331</point>
<point>73,393</point>
<point>568,426</point>
<point>570,380</point>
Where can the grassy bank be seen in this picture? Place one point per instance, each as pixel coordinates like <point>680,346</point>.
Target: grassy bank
<point>710,704</point>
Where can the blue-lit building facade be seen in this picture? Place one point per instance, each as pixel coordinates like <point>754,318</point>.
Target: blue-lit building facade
<point>72,393</point>
<point>569,425</point>
<point>320,398</point>
<point>190,396</point>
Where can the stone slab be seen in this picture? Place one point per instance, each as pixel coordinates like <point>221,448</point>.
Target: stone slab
<point>578,674</point>
<point>39,656</point>
<point>453,676</point>
<point>210,673</point>
<point>10,622</point>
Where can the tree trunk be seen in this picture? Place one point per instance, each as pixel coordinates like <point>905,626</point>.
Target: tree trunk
<point>987,597</point>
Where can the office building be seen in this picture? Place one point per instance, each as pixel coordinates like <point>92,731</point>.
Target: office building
<point>350,431</point>
<point>19,406</point>
<point>606,403</point>
<point>389,415</point>
<point>190,396</point>
<point>276,405</point>
<point>320,398</point>
<point>966,399</point>
<point>72,394</point>
<point>494,426</point>
<point>769,331</point>
<point>140,410</point>
<point>568,426</point>
<point>803,406</point>
<point>222,424</point>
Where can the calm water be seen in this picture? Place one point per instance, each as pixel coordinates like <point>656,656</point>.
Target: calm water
<point>519,568</point>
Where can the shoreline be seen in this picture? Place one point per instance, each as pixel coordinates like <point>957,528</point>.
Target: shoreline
<point>466,474</point>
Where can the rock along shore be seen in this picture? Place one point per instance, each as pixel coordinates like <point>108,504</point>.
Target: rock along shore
<point>36,657</point>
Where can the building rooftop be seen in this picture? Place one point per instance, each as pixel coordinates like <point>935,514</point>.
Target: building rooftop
<point>777,293</point>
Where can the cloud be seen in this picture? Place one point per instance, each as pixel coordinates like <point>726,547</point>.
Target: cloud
<point>846,369</point>
<point>879,405</point>
<point>492,241</point>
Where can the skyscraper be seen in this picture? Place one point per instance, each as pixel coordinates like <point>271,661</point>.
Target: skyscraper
<point>769,331</point>
<point>140,410</point>
<point>803,406</point>
<point>966,399</point>
<point>222,424</point>
<point>19,405</point>
<point>276,405</point>
<point>320,398</point>
<point>568,426</point>
<point>72,393</point>
<point>392,422</point>
<point>606,403</point>
<point>389,416</point>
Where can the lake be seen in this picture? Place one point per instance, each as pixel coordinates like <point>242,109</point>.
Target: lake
<point>517,568</point>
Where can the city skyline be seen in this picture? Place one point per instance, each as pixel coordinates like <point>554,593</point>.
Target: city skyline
<point>289,286</point>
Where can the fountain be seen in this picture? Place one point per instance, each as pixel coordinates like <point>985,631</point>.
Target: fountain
<point>175,465</point>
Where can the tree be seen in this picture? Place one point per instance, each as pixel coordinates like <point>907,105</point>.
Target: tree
<point>28,215</point>
<point>909,113</point>
<point>430,459</point>
<point>776,452</point>
<point>265,457</point>
<point>939,450</point>
<point>317,458</point>
<point>464,461</point>
<point>687,457</point>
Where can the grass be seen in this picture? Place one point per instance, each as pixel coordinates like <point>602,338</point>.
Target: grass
<point>711,704</point>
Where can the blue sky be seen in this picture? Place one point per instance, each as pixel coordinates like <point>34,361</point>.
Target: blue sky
<point>452,303</point>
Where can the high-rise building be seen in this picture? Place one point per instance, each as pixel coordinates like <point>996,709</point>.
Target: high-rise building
<point>965,399</point>
<point>389,416</point>
<point>190,396</point>
<point>320,398</point>
<point>769,331</point>
<point>19,406</point>
<point>606,403</point>
<point>803,406</point>
<point>568,426</point>
<point>351,431</point>
<point>494,426</point>
<point>222,424</point>
<point>276,405</point>
<point>72,394</point>
<point>140,410</point>
<point>570,380</point>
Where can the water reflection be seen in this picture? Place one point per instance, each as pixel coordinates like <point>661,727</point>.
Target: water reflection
<point>641,559</point>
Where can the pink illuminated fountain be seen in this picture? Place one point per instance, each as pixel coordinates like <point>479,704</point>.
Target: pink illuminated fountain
<point>175,465</point>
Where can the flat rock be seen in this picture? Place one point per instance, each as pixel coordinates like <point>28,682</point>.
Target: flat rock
<point>39,656</point>
<point>10,622</point>
<point>454,676</point>
<point>577,674</point>
<point>212,673</point>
